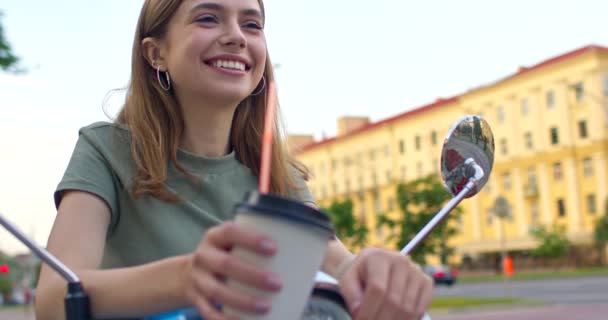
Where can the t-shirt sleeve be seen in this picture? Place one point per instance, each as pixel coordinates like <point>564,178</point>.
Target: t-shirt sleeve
<point>300,190</point>
<point>89,171</point>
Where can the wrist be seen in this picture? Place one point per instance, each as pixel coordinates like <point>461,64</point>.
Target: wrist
<point>184,270</point>
<point>344,265</point>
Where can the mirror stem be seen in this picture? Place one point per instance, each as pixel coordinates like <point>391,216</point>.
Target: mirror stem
<point>475,173</point>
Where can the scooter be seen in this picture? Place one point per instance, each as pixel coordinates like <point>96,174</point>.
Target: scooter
<point>466,163</point>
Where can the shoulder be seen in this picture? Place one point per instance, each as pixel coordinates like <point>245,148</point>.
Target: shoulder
<point>105,135</point>
<point>103,129</point>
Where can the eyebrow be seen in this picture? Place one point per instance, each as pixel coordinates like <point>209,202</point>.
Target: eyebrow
<point>218,7</point>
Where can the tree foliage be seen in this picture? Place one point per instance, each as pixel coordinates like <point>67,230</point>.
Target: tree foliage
<point>8,60</point>
<point>352,232</point>
<point>601,233</point>
<point>419,201</point>
<point>552,243</point>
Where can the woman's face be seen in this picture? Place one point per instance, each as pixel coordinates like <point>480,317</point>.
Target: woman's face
<point>216,49</point>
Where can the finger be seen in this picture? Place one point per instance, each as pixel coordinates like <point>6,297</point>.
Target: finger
<point>393,307</point>
<point>230,234</point>
<point>425,295</point>
<point>229,266</point>
<point>210,288</point>
<point>376,273</point>
<point>205,308</point>
<point>351,288</point>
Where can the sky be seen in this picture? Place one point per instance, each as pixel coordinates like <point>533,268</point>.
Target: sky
<point>336,57</point>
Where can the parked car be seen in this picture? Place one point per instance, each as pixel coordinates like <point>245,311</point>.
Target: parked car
<point>442,274</point>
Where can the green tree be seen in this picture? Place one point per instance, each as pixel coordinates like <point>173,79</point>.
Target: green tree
<point>352,232</point>
<point>419,201</point>
<point>8,60</point>
<point>552,243</point>
<point>601,234</point>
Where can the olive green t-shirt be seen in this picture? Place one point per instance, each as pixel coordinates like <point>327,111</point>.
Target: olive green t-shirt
<point>146,229</point>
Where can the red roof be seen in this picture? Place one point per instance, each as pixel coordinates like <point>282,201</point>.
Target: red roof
<point>441,102</point>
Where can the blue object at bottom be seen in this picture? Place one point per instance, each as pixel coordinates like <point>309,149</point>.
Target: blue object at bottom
<point>183,314</point>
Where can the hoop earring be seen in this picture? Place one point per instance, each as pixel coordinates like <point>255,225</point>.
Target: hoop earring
<point>257,92</point>
<point>168,86</point>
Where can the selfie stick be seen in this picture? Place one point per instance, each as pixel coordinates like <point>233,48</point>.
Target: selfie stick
<point>77,305</point>
<point>266,159</point>
<point>474,173</point>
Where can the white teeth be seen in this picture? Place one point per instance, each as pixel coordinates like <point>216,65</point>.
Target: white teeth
<point>236,65</point>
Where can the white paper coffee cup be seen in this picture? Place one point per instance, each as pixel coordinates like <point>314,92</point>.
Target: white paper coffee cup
<point>301,233</point>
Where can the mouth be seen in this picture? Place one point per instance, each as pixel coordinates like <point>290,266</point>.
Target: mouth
<point>228,64</point>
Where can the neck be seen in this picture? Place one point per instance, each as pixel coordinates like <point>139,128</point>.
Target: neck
<point>207,127</point>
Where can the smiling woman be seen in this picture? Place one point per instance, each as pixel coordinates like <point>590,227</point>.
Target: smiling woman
<point>151,196</point>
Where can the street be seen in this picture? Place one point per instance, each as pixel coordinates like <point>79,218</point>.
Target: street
<point>564,299</point>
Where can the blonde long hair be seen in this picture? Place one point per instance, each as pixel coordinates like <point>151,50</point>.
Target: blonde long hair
<point>156,124</point>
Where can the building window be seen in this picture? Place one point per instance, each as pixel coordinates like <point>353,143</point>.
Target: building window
<point>489,216</point>
<point>503,146</point>
<point>419,169</point>
<point>579,91</point>
<point>347,185</point>
<point>524,107</point>
<point>372,154</point>
<point>557,171</point>
<point>388,176</point>
<point>534,212</point>
<point>550,99</point>
<point>434,137</point>
<point>387,151</point>
<point>391,204</point>
<point>323,193</point>
<point>334,164</point>
<point>591,207</point>
<point>561,208</point>
<point>528,140</point>
<point>347,161</point>
<point>554,136</point>
<point>403,176</point>
<point>377,205</point>
<point>587,167</point>
<point>605,82</point>
<point>500,114</point>
<point>506,181</point>
<point>531,176</point>
<point>417,142</point>
<point>582,129</point>
<point>401,146</point>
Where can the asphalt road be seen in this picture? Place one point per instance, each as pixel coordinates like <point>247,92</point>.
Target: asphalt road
<point>564,299</point>
<point>560,291</point>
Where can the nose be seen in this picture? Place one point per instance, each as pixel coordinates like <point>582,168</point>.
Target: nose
<point>233,36</point>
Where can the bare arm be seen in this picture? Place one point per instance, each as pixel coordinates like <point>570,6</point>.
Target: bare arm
<point>78,240</point>
<point>337,256</point>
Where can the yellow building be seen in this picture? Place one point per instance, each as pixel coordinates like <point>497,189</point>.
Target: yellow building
<point>550,124</point>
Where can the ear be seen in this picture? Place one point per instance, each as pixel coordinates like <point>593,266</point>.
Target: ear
<point>152,50</point>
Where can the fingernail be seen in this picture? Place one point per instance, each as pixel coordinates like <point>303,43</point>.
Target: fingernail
<point>268,245</point>
<point>273,281</point>
<point>262,306</point>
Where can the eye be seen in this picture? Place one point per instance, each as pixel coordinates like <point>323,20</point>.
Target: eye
<point>253,25</point>
<point>207,18</point>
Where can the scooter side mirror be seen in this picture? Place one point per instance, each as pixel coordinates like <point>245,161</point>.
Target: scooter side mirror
<point>469,139</point>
